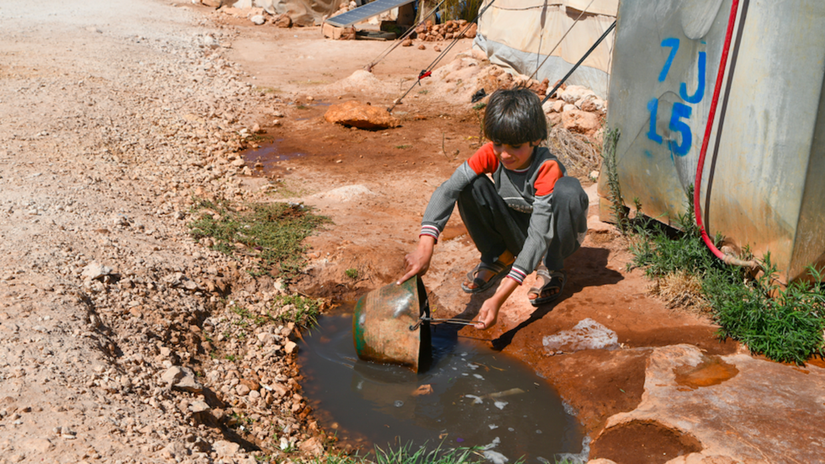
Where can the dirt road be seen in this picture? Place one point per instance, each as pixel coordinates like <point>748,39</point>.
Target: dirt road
<point>123,340</point>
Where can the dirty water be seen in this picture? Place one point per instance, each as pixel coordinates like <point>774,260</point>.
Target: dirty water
<point>266,156</point>
<point>471,396</point>
<point>711,371</point>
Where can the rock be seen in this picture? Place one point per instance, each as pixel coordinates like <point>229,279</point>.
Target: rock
<point>95,270</point>
<point>362,116</point>
<point>181,378</point>
<point>568,107</point>
<point>176,449</point>
<point>574,93</point>
<point>172,375</point>
<point>198,406</point>
<point>211,3</point>
<point>407,43</point>
<point>425,389</point>
<point>258,20</point>
<point>591,103</point>
<point>313,447</point>
<point>242,390</point>
<point>422,47</point>
<point>226,449</point>
<point>290,347</point>
<point>580,122</point>
<point>283,21</point>
<point>251,384</point>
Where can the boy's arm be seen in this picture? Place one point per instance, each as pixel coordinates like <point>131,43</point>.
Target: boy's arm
<point>488,314</point>
<point>418,262</point>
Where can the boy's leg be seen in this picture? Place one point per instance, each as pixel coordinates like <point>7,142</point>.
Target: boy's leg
<point>493,226</point>
<point>570,204</point>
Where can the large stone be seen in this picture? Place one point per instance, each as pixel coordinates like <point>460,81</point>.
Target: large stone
<point>580,122</point>
<point>360,115</point>
<point>739,407</point>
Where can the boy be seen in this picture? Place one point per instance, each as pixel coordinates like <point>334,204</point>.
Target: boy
<point>532,213</point>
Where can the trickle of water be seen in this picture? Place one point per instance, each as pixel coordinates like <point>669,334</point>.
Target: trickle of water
<point>471,396</point>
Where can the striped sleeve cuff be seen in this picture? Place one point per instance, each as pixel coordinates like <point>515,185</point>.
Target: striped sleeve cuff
<point>430,230</point>
<point>517,274</point>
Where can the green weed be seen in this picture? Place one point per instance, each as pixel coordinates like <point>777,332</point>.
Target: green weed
<point>301,310</point>
<point>352,273</point>
<point>783,324</point>
<point>409,454</point>
<point>271,232</point>
<point>610,167</point>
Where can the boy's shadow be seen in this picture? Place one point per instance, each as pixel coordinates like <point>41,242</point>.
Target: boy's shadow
<point>587,267</point>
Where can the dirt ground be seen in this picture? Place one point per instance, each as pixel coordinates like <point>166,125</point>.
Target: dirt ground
<point>123,340</point>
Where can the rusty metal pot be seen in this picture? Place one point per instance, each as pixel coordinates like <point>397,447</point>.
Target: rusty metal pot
<point>387,328</point>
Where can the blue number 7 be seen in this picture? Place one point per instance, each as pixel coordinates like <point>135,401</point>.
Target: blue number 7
<point>674,44</point>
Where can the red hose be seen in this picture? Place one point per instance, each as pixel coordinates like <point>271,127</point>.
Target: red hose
<point>734,8</point>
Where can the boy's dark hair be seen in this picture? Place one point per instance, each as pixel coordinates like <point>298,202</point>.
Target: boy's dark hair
<point>514,117</point>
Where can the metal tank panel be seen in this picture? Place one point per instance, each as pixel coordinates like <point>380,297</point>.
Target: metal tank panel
<point>764,178</point>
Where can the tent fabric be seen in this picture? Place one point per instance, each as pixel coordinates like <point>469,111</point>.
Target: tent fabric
<point>518,34</point>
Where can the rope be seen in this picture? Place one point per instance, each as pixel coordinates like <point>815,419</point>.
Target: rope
<point>560,40</point>
<point>429,70</point>
<point>575,66</point>
<point>398,41</point>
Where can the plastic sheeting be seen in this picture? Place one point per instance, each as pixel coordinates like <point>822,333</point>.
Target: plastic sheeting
<point>519,34</point>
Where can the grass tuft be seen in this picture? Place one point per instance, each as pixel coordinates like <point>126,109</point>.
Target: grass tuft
<point>272,233</point>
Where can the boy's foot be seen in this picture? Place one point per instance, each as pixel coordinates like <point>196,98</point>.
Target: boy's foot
<point>484,276</point>
<point>550,285</point>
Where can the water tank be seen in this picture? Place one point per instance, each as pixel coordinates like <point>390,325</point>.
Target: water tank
<point>763,182</point>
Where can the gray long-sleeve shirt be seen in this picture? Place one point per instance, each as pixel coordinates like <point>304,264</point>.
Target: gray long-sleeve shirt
<point>529,190</point>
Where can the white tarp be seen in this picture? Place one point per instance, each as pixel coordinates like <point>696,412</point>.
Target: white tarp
<point>519,34</point>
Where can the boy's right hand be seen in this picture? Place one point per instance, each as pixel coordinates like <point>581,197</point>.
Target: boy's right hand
<point>418,262</point>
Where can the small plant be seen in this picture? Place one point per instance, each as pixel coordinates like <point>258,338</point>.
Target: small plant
<point>610,166</point>
<point>301,310</point>
<point>423,92</point>
<point>230,357</point>
<point>352,273</point>
<point>403,147</point>
<point>270,232</point>
<point>302,107</point>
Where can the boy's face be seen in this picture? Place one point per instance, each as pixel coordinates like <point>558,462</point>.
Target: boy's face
<point>514,157</point>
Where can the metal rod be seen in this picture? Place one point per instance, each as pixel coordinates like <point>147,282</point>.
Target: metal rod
<point>445,321</point>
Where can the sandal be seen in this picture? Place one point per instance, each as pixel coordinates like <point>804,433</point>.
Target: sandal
<point>497,270</point>
<point>552,284</point>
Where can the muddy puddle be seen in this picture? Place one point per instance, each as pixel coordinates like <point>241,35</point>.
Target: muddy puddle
<point>471,396</point>
<point>266,156</point>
